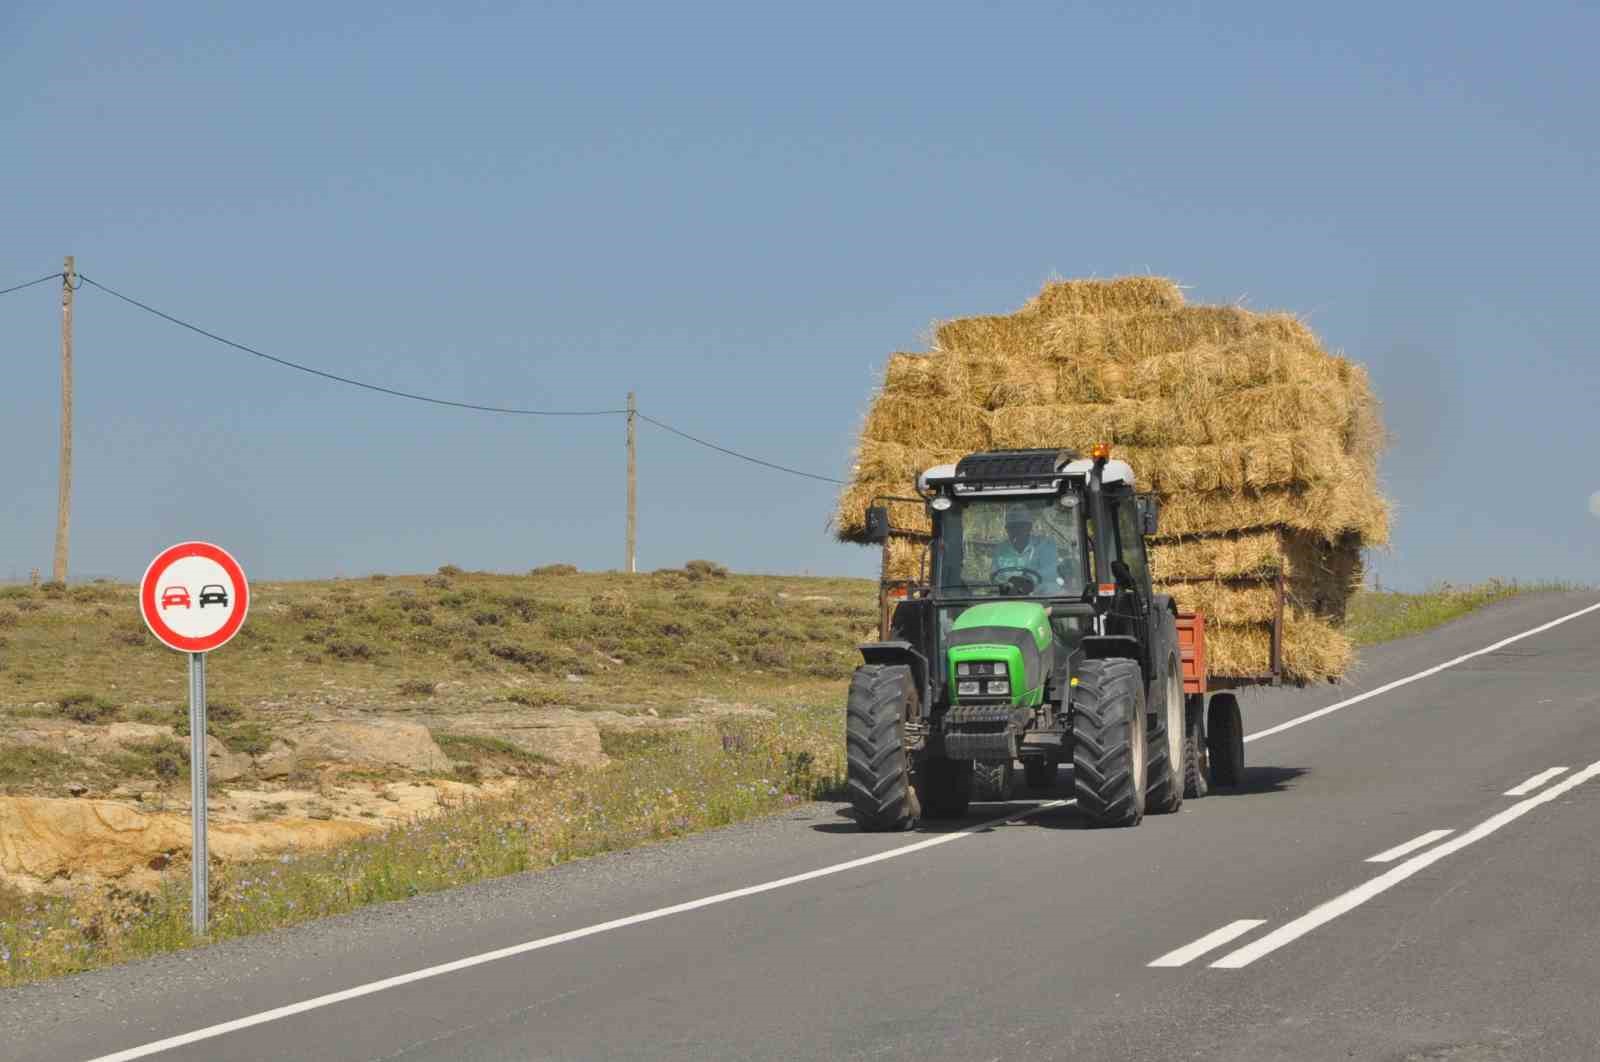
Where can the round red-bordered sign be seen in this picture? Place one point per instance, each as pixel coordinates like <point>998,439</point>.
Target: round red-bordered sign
<point>194,597</point>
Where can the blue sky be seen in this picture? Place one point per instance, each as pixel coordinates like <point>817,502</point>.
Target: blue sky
<point>738,210</point>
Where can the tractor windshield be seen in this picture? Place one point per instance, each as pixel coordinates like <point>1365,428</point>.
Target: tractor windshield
<point>1013,547</point>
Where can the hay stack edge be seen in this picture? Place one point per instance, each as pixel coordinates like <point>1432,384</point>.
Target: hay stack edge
<point>1262,446</point>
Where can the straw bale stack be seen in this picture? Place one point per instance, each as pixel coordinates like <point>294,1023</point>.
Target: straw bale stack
<point>1262,446</point>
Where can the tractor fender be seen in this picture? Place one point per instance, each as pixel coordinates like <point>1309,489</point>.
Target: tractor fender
<point>901,653</point>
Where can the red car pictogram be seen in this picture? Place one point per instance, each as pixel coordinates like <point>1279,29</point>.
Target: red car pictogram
<point>175,595</point>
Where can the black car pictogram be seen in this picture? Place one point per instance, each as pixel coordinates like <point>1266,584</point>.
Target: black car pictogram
<point>213,594</point>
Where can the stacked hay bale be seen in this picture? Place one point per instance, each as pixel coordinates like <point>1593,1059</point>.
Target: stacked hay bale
<point>1262,446</point>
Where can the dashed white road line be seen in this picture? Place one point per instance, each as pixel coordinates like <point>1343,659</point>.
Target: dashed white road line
<point>1389,855</point>
<point>1536,781</point>
<point>1210,942</point>
<point>1317,916</point>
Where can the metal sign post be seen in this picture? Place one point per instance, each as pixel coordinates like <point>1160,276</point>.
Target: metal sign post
<point>194,598</point>
<point>200,862</point>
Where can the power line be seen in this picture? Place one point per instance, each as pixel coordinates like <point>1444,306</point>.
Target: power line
<point>740,456</point>
<point>345,379</point>
<point>29,284</point>
<point>443,401</point>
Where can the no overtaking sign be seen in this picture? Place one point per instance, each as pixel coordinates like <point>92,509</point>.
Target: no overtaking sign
<point>194,598</point>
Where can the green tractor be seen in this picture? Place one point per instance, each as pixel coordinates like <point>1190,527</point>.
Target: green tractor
<point>1033,637</point>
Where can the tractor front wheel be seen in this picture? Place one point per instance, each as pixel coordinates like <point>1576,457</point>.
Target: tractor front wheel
<point>878,769</point>
<point>1108,742</point>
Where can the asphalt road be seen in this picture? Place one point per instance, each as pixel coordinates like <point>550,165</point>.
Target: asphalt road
<point>1021,939</point>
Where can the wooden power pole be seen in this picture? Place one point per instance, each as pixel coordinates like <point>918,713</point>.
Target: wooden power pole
<point>64,498</point>
<point>633,491</point>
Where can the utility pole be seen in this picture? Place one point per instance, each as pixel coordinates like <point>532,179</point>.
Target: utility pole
<point>633,491</point>
<point>64,498</point>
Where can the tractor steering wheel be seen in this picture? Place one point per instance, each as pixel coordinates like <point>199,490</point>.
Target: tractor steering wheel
<point>1020,583</point>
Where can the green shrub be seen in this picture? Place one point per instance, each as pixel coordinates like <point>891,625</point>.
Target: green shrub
<point>555,569</point>
<point>699,570</point>
<point>87,708</point>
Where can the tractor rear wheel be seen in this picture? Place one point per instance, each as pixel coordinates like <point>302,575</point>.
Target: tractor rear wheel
<point>1166,743</point>
<point>1195,784</point>
<point>878,769</point>
<point>1108,742</point>
<point>944,787</point>
<point>993,780</point>
<point>1225,740</point>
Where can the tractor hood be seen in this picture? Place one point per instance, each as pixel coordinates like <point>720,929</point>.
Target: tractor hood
<point>1022,626</point>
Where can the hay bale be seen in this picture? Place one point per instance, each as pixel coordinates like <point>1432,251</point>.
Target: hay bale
<point>1215,371</point>
<point>1221,557</point>
<point>904,558</point>
<point>926,423</point>
<point>1313,650</point>
<point>1158,422</point>
<point>1116,295</point>
<point>925,376</point>
<point>1254,553</point>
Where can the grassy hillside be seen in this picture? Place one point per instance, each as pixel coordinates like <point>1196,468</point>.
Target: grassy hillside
<point>451,645</point>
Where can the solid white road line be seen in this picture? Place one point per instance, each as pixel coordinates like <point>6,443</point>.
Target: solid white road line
<point>317,1002</point>
<point>211,1031</point>
<point>1317,916</point>
<point>1210,942</point>
<point>1397,683</point>
<point>1536,781</point>
<point>1389,855</point>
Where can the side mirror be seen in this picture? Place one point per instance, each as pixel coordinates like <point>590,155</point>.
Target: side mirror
<point>878,524</point>
<point>1149,513</point>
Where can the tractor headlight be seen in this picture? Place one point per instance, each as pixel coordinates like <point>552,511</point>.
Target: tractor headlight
<point>967,689</point>
<point>963,669</point>
<point>1002,686</point>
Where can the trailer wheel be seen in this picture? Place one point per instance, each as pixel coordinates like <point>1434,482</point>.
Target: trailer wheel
<point>1108,742</point>
<point>1195,784</point>
<point>944,787</point>
<point>878,770</point>
<point>1225,740</point>
<point>1167,743</point>
<point>993,780</point>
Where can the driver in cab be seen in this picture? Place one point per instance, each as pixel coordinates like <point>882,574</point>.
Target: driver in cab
<point>1026,551</point>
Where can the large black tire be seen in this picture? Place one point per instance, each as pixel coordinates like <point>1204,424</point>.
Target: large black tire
<point>944,787</point>
<point>1166,741</point>
<point>878,769</point>
<point>1195,783</point>
<point>1225,740</point>
<point>1108,742</point>
<point>993,780</point>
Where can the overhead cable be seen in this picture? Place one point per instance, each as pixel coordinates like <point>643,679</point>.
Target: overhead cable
<point>31,283</point>
<point>735,453</point>
<point>345,379</point>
